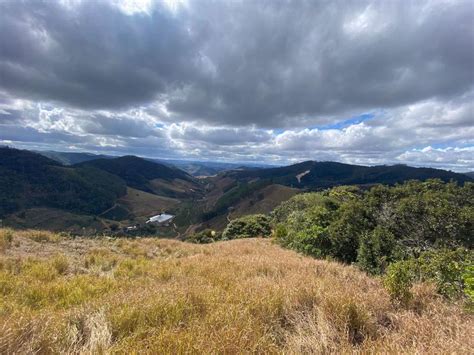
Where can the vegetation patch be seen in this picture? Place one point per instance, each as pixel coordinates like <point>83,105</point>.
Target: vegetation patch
<point>416,231</point>
<point>248,227</point>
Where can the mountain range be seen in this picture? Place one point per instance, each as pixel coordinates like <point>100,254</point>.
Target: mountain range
<point>82,187</point>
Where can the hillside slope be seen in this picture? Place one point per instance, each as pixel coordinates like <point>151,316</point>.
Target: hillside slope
<point>29,180</point>
<point>312,174</point>
<point>139,173</point>
<point>71,158</point>
<point>163,296</point>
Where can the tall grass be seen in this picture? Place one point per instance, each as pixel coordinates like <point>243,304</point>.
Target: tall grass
<point>242,296</point>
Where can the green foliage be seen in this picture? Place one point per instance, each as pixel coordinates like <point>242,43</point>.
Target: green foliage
<point>300,202</point>
<point>468,279</point>
<point>349,224</point>
<point>248,227</point>
<point>381,225</point>
<point>30,180</point>
<point>306,231</point>
<point>450,270</point>
<point>399,280</point>
<point>377,249</point>
<point>138,172</point>
<point>446,269</point>
<point>427,226</point>
<point>204,237</point>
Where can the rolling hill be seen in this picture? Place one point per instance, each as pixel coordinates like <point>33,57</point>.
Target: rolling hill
<point>192,167</point>
<point>30,180</point>
<point>312,174</point>
<point>142,174</point>
<point>71,158</point>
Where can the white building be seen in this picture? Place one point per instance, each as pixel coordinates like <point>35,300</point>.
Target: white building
<point>161,219</point>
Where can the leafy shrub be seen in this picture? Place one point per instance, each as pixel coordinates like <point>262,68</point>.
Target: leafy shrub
<point>377,250</point>
<point>348,225</point>
<point>399,280</point>
<point>446,269</point>
<point>204,237</point>
<point>468,278</point>
<point>248,227</point>
<point>306,232</point>
<point>450,270</point>
<point>380,225</point>
<point>299,203</point>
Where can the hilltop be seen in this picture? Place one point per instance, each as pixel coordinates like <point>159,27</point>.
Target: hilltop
<point>142,174</point>
<point>313,174</point>
<point>163,296</point>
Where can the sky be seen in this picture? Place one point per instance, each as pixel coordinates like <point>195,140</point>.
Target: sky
<point>276,82</point>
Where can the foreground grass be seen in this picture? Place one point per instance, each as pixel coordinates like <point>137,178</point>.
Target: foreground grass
<point>161,296</point>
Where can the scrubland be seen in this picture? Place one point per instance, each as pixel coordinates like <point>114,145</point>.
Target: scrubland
<point>61,294</point>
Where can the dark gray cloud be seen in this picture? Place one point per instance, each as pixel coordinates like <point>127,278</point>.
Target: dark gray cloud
<point>269,63</point>
<point>92,54</point>
<point>241,80</point>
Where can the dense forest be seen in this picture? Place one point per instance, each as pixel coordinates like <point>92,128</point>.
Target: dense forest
<point>29,180</point>
<point>317,175</point>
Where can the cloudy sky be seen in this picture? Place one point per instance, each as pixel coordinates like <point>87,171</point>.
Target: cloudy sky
<point>365,82</point>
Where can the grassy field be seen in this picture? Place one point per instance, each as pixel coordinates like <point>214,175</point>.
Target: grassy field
<point>55,220</point>
<point>142,203</point>
<point>61,294</point>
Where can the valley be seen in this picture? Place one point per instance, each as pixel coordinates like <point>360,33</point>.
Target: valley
<point>109,194</point>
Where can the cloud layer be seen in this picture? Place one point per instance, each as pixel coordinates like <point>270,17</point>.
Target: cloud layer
<point>366,82</point>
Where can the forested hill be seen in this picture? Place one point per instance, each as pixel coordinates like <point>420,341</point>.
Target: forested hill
<point>138,172</point>
<point>312,174</point>
<point>29,179</point>
<point>71,158</point>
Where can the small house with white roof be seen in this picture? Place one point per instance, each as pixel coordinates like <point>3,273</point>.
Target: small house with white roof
<point>161,219</point>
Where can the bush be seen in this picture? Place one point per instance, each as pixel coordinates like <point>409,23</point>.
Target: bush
<point>248,227</point>
<point>204,237</point>
<point>377,249</point>
<point>399,280</point>
<point>447,269</point>
<point>468,278</point>
<point>306,232</point>
<point>450,271</point>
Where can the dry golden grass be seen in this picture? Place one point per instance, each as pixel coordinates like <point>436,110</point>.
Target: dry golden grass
<point>242,296</point>
<point>6,239</point>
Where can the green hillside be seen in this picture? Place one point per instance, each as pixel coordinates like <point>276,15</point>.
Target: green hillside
<point>31,180</point>
<point>137,172</point>
<point>314,174</point>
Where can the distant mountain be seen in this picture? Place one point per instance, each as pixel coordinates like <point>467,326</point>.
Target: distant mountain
<point>71,158</point>
<point>192,167</point>
<point>140,173</point>
<point>470,174</point>
<point>29,180</point>
<point>312,174</point>
<point>208,168</point>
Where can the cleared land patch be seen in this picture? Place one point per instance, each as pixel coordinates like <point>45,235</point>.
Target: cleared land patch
<point>142,203</point>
